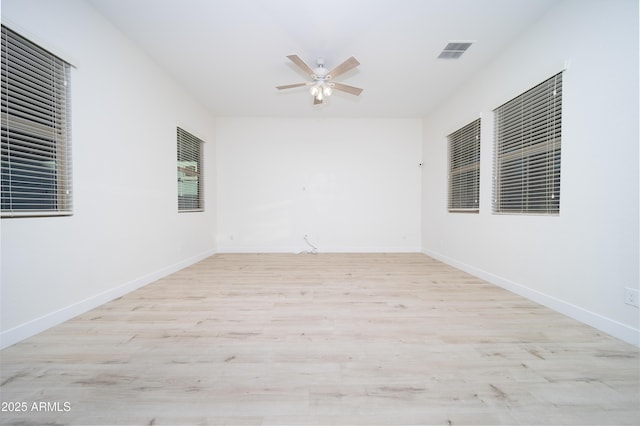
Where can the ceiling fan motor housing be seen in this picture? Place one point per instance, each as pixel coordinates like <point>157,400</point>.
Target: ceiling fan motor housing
<point>320,71</point>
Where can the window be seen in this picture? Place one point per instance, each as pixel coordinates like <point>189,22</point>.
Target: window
<point>527,151</point>
<point>190,196</point>
<point>36,145</point>
<point>464,168</point>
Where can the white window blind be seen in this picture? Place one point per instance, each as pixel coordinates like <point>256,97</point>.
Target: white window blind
<point>527,151</point>
<point>36,145</point>
<point>464,168</point>
<point>190,197</point>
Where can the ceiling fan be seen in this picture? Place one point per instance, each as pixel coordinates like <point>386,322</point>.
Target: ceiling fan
<point>322,82</point>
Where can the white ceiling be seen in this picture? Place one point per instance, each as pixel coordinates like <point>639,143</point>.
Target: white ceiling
<point>232,53</point>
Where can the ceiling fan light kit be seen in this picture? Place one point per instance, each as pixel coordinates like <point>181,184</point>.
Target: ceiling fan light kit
<point>321,85</point>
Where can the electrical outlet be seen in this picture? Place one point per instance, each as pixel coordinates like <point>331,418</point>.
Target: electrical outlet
<point>631,296</point>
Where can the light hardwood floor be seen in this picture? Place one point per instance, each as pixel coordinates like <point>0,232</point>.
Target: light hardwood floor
<point>337,339</point>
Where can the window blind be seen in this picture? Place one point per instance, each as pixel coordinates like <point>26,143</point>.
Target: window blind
<point>464,168</point>
<point>528,132</point>
<point>190,196</point>
<point>36,146</point>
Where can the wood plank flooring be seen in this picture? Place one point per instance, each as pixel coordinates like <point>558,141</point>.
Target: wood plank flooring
<point>335,339</point>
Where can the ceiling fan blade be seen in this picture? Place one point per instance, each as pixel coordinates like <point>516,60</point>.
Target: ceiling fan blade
<point>347,65</point>
<point>291,86</point>
<point>346,88</point>
<point>316,101</point>
<point>300,63</point>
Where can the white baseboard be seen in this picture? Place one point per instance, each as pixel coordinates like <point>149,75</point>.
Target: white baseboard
<point>306,249</point>
<point>607,325</point>
<point>38,325</point>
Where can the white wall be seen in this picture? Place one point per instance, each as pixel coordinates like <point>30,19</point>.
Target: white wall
<point>580,261</point>
<point>349,184</point>
<point>125,231</point>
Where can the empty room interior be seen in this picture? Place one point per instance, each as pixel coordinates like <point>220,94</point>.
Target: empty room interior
<point>343,212</point>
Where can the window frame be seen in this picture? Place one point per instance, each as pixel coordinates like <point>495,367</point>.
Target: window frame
<point>36,130</point>
<point>527,151</point>
<point>464,169</point>
<point>189,150</point>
